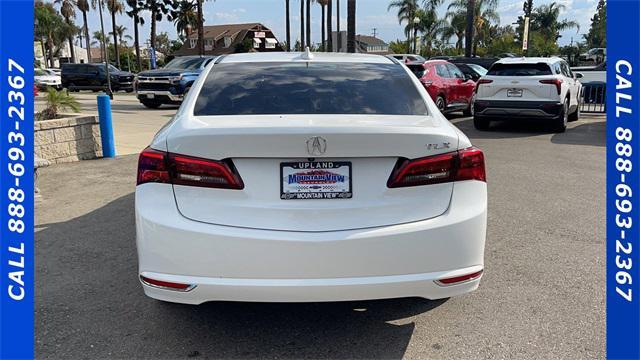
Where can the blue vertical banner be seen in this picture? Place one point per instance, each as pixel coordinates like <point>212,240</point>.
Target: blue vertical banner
<point>16,179</point>
<point>623,179</point>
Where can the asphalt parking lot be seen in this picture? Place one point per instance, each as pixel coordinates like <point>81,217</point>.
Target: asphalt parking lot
<point>542,295</point>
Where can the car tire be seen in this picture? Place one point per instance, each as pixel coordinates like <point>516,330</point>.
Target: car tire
<point>129,90</point>
<point>560,124</point>
<point>151,104</point>
<point>481,123</point>
<point>469,111</point>
<point>441,103</point>
<point>575,116</point>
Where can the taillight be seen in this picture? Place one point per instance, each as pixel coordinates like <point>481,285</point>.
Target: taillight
<point>161,167</point>
<point>168,285</point>
<point>152,167</point>
<point>484,81</point>
<point>460,279</point>
<point>556,82</point>
<point>466,164</point>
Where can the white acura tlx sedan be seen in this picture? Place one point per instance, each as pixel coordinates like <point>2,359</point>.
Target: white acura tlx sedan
<point>292,177</point>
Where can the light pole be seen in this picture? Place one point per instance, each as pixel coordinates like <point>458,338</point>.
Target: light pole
<point>416,21</point>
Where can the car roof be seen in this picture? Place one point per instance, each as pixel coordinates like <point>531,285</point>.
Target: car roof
<point>300,56</point>
<point>529,60</point>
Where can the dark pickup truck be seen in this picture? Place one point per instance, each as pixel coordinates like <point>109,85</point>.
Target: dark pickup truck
<point>169,84</point>
<point>94,77</point>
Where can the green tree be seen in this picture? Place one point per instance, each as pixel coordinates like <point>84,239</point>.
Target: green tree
<point>485,14</point>
<point>57,101</point>
<point>134,13</point>
<point>457,24</point>
<point>68,11</point>
<point>406,10</point>
<point>115,7</point>
<point>545,21</point>
<point>186,17</point>
<point>50,27</point>
<point>430,27</point>
<point>399,47</point>
<point>83,6</point>
<point>597,35</point>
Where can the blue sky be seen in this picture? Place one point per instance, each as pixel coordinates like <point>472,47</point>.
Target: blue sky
<point>370,14</point>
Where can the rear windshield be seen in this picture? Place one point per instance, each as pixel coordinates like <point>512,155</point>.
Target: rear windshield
<point>519,69</point>
<point>309,88</point>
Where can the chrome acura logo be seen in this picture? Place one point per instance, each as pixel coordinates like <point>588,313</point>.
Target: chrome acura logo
<point>316,145</point>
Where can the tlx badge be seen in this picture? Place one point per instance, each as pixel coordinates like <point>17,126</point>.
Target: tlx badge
<point>438,146</point>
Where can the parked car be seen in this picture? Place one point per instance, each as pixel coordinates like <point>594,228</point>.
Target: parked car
<point>169,84</point>
<point>449,87</point>
<point>533,87</point>
<point>595,55</point>
<point>485,62</point>
<point>289,177</point>
<point>94,77</point>
<point>406,58</point>
<point>56,71</point>
<point>43,78</point>
<point>474,71</point>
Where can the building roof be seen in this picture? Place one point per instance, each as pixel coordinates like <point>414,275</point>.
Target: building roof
<point>219,31</point>
<point>370,40</point>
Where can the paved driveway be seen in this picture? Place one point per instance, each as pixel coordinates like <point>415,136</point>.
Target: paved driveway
<point>133,125</point>
<point>542,295</point>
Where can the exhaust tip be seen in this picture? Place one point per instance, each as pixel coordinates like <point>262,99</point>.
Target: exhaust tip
<point>166,285</point>
<point>459,279</point>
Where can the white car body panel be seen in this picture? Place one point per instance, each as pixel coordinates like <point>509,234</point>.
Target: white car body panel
<point>249,245</point>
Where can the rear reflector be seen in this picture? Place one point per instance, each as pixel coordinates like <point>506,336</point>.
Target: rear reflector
<point>161,167</point>
<point>484,81</point>
<point>166,284</point>
<point>466,164</point>
<point>460,279</point>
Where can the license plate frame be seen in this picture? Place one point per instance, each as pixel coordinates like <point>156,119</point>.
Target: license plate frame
<point>330,174</point>
<point>151,95</point>
<point>514,92</point>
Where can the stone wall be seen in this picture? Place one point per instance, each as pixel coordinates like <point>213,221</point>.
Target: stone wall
<point>71,138</point>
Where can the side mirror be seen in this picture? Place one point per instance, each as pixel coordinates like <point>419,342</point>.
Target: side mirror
<point>578,75</point>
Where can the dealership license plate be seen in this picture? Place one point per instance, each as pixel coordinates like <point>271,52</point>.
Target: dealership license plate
<point>315,180</point>
<point>151,96</point>
<point>514,93</point>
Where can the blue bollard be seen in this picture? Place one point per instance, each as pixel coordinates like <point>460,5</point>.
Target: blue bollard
<point>106,126</point>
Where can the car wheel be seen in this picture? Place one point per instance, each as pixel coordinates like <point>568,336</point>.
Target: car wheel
<point>151,104</point>
<point>469,110</point>
<point>561,122</point>
<point>575,116</point>
<point>481,123</point>
<point>72,88</point>
<point>441,104</point>
<point>129,90</point>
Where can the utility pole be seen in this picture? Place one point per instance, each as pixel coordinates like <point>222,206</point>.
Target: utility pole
<point>338,35</point>
<point>351,26</point>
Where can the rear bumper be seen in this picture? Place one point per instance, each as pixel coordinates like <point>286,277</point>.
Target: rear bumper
<point>517,109</point>
<point>239,264</point>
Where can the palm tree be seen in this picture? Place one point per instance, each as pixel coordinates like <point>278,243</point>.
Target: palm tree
<point>83,6</point>
<point>351,26</point>
<point>456,27</point>
<point>115,7</point>
<point>308,22</point>
<point>186,17</point>
<point>430,27</point>
<point>406,13</point>
<point>288,24</point>
<point>329,26</point>
<point>134,13</point>
<point>302,42</point>
<point>484,12</point>
<point>545,21</point>
<point>68,11</point>
<point>323,4</point>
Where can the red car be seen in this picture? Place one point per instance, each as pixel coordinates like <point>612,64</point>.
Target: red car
<point>449,88</point>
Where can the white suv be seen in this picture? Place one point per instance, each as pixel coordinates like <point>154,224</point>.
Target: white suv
<point>528,88</point>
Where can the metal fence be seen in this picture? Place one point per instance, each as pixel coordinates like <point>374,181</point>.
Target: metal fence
<point>594,97</point>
